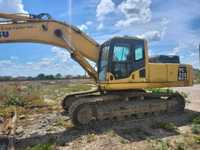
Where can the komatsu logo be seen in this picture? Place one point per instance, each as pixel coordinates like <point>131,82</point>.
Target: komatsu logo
<point>4,34</point>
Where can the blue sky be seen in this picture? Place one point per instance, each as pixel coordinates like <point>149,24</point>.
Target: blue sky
<point>171,27</point>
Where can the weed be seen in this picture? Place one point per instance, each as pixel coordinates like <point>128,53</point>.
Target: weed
<point>196,128</point>
<point>166,126</point>
<point>196,125</point>
<point>112,133</point>
<point>78,87</point>
<point>14,100</point>
<point>161,145</point>
<point>180,146</point>
<point>123,141</point>
<point>91,137</point>
<point>134,133</point>
<point>196,120</point>
<point>41,147</point>
<point>62,123</point>
<point>197,139</point>
<point>161,90</point>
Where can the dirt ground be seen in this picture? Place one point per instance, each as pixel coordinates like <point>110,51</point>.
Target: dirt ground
<point>52,125</point>
<point>193,96</point>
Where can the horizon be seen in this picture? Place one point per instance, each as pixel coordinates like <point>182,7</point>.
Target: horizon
<point>173,31</point>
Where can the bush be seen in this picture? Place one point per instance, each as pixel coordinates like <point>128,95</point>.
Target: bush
<point>166,126</point>
<point>161,90</point>
<point>14,100</point>
<point>197,139</point>
<point>161,145</point>
<point>196,125</point>
<point>196,120</point>
<point>180,146</point>
<point>41,147</point>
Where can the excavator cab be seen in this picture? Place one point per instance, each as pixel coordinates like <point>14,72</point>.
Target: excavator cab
<point>120,57</point>
<point>124,64</point>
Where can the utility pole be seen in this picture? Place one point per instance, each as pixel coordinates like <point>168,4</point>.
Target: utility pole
<point>199,56</point>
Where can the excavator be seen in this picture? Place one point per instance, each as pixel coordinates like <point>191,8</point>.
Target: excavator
<point>123,70</point>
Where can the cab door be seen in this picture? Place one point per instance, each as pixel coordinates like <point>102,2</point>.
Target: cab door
<point>121,61</point>
<point>139,58</point>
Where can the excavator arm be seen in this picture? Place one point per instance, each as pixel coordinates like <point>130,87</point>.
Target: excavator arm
<point>42,29</point>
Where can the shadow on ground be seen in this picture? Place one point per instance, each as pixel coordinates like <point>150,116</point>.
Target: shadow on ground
<point>130,130</point>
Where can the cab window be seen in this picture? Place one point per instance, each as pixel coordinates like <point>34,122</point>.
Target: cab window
<point>103,63</point>
<point>121,53</point>
<point>139,53</point>
<point>121,62</point>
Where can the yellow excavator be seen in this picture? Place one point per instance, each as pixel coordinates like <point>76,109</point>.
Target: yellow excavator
<point>124,70</point>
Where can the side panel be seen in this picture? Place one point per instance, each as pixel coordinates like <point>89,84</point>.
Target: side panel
<point>157,72</point>
<point>172,72</point>
<point>160,75</point>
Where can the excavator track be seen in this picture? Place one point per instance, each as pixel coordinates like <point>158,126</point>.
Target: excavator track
<point>69,99</point>
<point>97,107</point>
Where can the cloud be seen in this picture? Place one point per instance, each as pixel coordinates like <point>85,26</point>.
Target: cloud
<point>88,23</point>
<point>188,52</point>
<point>100,26</point>
<point>83,27</point>
<point>151,35</point>
<point>14,58</point>
<point>135,12</point>
<point>4,63</point>
<point>156,35</point>
<point>176,50</point>
<point>190,47</point>
<point>104,8</point>
<point>61,54</point>
<point>12,6</point>
<point>60,62</point>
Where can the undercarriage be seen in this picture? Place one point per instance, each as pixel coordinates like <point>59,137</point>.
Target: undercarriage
<point>91,107</point>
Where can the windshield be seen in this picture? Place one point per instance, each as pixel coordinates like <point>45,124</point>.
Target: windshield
<point>103,63</point>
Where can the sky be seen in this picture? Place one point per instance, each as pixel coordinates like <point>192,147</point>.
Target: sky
<point>172,27</point>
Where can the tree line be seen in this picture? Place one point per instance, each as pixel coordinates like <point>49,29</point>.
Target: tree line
<point>42,76</point>
<point>58,76</point>
<point>196,74</point>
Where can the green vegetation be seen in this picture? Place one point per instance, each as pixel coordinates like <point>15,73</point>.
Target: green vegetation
<point>196,125</point>
<point>62,123</point>
<point>41,76</point>
<point>166,126</point>
<point>91,137</point>
<point>180,146</point>
<point>15,100</point>
<point>160,90</point>
<point>197,139</point>
<point>196,75</point>
<point>41,147</point>
<point>161,145</point>
<point>167,90</point>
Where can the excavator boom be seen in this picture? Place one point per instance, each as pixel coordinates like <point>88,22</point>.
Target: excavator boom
<point>33,28</point>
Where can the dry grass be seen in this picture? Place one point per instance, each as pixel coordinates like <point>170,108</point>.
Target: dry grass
<point>24,95</point>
